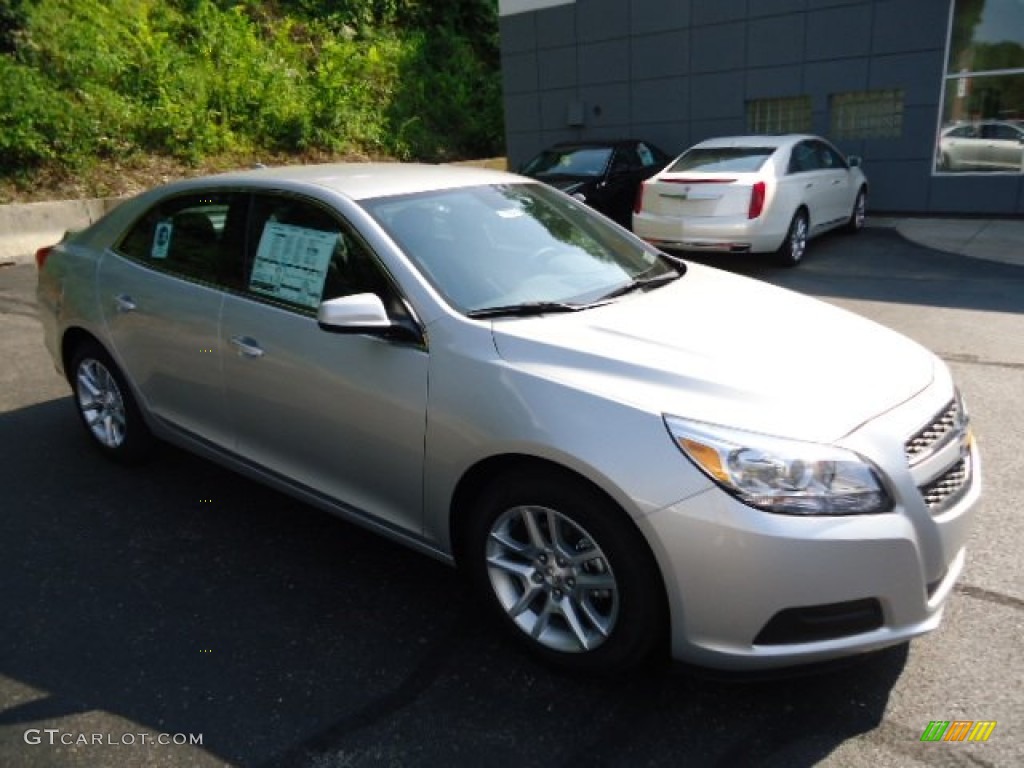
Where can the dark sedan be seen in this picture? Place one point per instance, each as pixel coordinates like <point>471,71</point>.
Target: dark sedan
<point>603,174</point>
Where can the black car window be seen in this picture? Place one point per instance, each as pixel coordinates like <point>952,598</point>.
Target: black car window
<point>189,236</point>
<point>964,132</point>
<point>300,254</point>
<point>1000,132</point>
<point>828,157</point>
<point>722,159</point>
<point>803,158</point>
<point>626,159</point>
<point>648,157</point>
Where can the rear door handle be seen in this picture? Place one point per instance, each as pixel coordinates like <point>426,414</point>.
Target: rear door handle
<point>247,346</point>
<point>124,303</point>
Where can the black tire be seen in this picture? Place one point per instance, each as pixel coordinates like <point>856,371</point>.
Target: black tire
<point>859,212</point>
<point>584,563</point>
<point>793,248</point>
<point>106,406</point>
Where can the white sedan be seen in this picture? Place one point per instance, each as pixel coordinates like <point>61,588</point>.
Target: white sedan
<point>752,194</point>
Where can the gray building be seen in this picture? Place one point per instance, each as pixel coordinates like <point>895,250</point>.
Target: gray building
<point>929,92</point>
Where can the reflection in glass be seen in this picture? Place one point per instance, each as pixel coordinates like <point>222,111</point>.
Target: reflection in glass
<point>987,35</point>
<point>974,136</point>
<point>982,128</point>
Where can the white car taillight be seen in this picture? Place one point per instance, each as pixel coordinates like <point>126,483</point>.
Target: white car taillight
<point>756,200</point>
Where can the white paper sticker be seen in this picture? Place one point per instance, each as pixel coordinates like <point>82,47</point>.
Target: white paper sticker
<point>291,263</point>
<point>162,239</point>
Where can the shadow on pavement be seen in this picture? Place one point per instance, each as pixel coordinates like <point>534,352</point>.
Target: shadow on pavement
<point>880,265</point>
<point>184,598</point>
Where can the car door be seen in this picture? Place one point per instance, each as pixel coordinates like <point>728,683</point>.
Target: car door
<point>618,187</point>
<point>1004,147</point>
<point>808,183</point>
<point>341,415</point>
<point>837,185</point>
<point>161,288</point>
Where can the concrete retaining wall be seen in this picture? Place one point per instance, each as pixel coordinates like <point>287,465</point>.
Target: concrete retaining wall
<point>29,226</point>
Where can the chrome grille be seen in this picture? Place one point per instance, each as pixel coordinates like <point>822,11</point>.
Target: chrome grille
<point>943,427</point>
<point>944,490</point>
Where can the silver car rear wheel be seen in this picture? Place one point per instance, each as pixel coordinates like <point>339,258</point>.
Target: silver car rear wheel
<point>106,406</point>
<point>100,403</point>
<point>793,247</point>
<point>551,579</point>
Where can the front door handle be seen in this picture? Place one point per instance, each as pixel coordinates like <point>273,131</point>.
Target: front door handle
<point>247,346</point>
<point>124,303</point>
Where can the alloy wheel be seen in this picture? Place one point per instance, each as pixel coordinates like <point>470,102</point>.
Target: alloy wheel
<point>101,404</point>
<point>552,579</point>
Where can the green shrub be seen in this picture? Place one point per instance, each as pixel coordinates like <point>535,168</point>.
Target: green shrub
<point>95,79</point>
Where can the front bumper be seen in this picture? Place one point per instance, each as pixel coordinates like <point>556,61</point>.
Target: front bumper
<point>750,589</point>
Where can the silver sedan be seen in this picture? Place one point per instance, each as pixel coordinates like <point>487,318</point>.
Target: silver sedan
<point>623,452</point>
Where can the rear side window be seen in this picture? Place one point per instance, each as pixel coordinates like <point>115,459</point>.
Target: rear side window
<point>722,159</point>
<point>191,236</point>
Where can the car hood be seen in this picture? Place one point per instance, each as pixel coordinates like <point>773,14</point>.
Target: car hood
<point>728,350</point>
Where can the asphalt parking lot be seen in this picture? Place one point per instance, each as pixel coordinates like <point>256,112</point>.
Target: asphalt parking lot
<point>182,600</point>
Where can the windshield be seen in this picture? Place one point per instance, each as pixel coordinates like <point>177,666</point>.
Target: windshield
<point>722,159</point>
<point>577,161</point>
<point>507,245</point>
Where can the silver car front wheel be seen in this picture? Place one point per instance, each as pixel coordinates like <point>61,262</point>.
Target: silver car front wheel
<point>565,569</point>
<point>859,213</point>
<point>551,579</point>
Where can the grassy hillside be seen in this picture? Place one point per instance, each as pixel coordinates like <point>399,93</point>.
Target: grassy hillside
<point>87,86</point>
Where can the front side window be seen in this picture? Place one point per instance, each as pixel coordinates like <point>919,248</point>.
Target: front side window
<point>190,236</point>
<point>983,90</point>
<point>828,158</point>
<point>301,254</point>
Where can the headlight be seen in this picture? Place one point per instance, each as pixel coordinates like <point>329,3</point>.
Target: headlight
<point>781,475</point>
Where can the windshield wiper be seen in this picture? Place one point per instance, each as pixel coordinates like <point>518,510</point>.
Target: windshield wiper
<point>526,308</point>
<point>641,282</point>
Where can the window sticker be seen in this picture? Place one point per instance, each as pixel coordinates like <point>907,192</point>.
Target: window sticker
<point>162,239</point>
<point>291,263</point>
<point>646,156</point>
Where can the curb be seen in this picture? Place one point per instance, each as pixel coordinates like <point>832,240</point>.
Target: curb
<point>26,227</point>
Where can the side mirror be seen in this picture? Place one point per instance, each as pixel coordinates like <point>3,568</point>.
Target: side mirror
<point>364,313</point>
<point>854,161</point>
<point>359,313</point>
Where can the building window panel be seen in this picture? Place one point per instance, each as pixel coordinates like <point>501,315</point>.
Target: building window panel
<point>867,114</point>
<point>982,126</point>
<point>785,115</point>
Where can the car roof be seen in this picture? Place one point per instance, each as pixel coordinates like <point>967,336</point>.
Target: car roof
<point>597,143</point>
<point>761,140</point>
<point>360,181</point>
